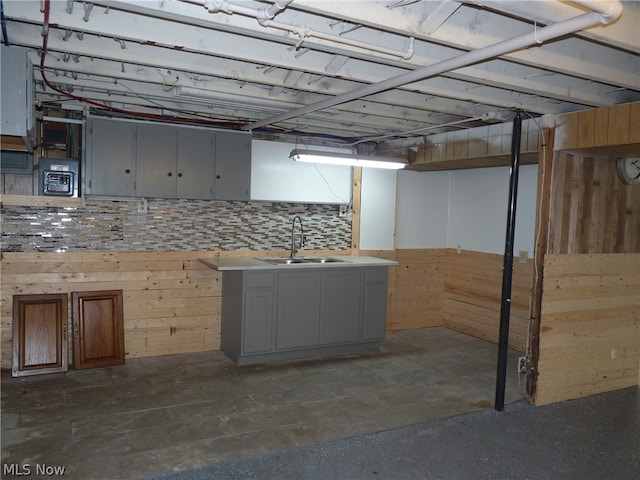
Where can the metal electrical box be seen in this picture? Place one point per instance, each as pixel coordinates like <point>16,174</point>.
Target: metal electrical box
<point>58,177</point>
<point>17,94</point>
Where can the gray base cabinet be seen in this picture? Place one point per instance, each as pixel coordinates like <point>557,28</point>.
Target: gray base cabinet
<point>298,309</point>
<point>274,315</point>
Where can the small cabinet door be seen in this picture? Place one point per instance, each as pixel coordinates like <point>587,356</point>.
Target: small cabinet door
<point>375,303</point>
<point>233,166</point>
<point>156,149</point>
<point>298,309</point>
<point>196,163</point>
<point>257,332</point>
<point>98,332</point>
<point>110,157</point>
<point>340,306</point>
<point>39,334</point>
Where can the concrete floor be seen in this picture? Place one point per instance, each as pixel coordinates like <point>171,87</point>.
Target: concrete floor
<point>591,438</point>
<point>174,413</point>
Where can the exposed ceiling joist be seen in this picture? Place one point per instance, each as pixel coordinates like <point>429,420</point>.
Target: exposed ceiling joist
<point>246,67</point>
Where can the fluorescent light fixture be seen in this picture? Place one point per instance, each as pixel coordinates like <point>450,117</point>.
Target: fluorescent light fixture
<point>345,159</point>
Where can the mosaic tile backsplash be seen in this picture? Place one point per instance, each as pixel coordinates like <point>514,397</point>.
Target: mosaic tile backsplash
<point>171,225</point>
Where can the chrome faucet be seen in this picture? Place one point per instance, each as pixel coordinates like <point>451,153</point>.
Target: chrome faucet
<point>294,250</point>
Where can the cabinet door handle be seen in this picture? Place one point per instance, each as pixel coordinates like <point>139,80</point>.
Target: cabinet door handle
<point>218,177</point>
<point>179,175</point>
<point>127,171</point>
<point>169,174</point>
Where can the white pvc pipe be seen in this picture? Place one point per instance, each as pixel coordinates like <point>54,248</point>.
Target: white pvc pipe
<point>610,10</point>
<point>265,15</point>
<point>303,32</point>
<point>271,11</point>
<point>571,25</point>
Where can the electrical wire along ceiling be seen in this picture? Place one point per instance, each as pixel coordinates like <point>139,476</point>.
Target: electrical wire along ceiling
<point>386,73</point>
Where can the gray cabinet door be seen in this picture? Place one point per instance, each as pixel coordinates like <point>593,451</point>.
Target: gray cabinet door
<point>196,163</point>
<point>110,157</point>
<point>375,303</point>
<point>259,310</point>
<point>156,149</point>
<point>257,336</point>
<point>298,309</point>
<point>233,166</point>
<point>340,306</point>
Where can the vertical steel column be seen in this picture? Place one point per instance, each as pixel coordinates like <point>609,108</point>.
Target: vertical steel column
<point>507,269</point>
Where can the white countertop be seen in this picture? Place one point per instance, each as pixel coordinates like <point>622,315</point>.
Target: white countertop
<point>252,263</point>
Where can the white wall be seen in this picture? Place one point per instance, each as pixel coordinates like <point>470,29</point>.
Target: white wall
<point>377,209</point>
<point>276,177</point>
<point>465,208</point>
<point>422,200</point>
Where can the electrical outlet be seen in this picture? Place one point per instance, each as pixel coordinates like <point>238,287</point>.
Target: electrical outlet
<point>522,364</point>
<point>143,205</point>
<point>523,256</point>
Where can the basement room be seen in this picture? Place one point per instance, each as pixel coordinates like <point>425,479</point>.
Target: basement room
<point>296,239</point>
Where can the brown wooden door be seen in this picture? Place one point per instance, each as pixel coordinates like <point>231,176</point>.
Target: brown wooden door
<point>98,332</point>
<point>40,334</point>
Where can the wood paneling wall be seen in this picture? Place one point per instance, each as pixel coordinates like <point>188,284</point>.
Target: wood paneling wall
<point>591,227</point>
<point>590,327</point>
<point>171,300</point>
<point>473,294</point>
<point>592,211</point>
<point>418,288</point>
<point>606,131</point>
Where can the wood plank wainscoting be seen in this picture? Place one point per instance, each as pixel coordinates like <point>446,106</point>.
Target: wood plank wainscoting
<point>473,294</point>
<point>462,291</point>
<point>590,329</point>
<point>418,288</point>
<point>171,300</point>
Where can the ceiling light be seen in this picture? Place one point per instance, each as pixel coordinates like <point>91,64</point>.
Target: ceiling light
<point>346,159</point>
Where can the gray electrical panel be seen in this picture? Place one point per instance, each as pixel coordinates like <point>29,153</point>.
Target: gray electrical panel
<point>17,100</point>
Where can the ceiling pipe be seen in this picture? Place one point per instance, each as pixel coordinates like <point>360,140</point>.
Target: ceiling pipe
<point>602,13</point>
<point>272,10</point>
<point>265,17</point>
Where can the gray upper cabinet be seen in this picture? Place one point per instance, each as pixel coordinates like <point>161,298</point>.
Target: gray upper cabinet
<point>125,158</point>
<point>156,149</point>
<point>196,164</point>
<point>233,166</point>
<point>110,158</point>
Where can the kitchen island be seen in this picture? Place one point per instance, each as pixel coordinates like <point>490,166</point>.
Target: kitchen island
<point>317,306</point>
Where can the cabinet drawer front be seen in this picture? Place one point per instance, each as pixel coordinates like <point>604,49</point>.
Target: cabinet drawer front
<point>260,279</point>
<point>376,274</point>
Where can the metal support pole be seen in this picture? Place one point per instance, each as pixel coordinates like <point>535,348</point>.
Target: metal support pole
<point>507,270</point>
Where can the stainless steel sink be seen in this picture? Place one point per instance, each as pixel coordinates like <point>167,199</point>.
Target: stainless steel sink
<point>283,260</point>
<point>325,260</point>
<point>298,260</point>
